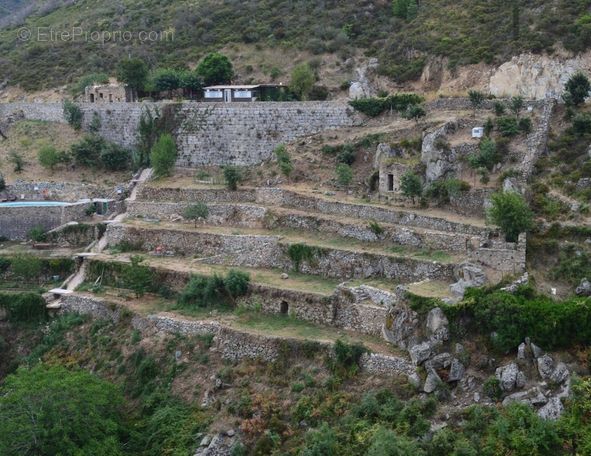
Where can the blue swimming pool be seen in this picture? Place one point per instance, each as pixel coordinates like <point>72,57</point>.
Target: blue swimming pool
<point>34,204</point>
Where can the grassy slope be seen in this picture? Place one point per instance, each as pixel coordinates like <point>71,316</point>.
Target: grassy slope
<point>466,31</point>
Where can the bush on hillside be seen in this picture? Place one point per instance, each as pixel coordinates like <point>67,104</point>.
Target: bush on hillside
<point>215,290</point>
<point>511,213</point>
<point>163,156</point>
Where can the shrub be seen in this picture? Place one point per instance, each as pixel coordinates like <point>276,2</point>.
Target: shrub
<point>90,79</point>
<point>26,267</point>
<point>476,98</point>
<point>414,112</point>
<point>508,126</point>
<point>137,277</point>
<point>347,356</point>
<point>525,125</point>
<point>24,307</point>
<point>411,185</point>
<point>302,80</point>
<point>492,388</point>
<point>346,155</point>
<point>582,124</point>
<point>318,93</point>
<point>499,108</point>
<point>73,115</point>
<point>196,212</point>
<point>299,253</point>
<point>203,291</point>
<point>233,177</point>
<point>283,160</point>
<point>510,212</point>
<point>344,174</point>
<point>114,157</point>
<point>486,157</point>
<point>87,152</point>
<point>48,157</point>
<point>577,89</point>
<point>37,234</point>
<point>443,190</point>
<point>17,161</point>
<point>375,228</point>
<point>2,182</point>
<point>373,107</point>
<point>163,155</point>
<point>236,283</point>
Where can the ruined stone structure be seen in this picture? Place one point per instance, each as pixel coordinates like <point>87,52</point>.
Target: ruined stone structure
<point>108,93</point>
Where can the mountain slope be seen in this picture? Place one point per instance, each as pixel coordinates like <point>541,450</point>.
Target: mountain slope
<point>464,31</point>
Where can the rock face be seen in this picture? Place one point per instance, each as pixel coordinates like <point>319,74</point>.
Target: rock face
<point>534,76</point>
<point>361,87</point>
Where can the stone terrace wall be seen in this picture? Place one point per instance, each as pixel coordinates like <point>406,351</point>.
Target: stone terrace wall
<point>247,215</point>
<point>336,310</point>
<point>16,222</point>
<point>233,345</point>
<point>290,199</point>
<point>269,252</point>
<point>208,133</point>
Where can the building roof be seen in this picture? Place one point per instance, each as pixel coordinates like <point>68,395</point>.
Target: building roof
<point>240,87</point>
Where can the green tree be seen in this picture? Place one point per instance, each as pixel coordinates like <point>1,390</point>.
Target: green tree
<point>344,174</point>
<point>411,185</point>
<point>138,277</point>
<point>486,157</point>
<point>148,134</point>
<point>517,104</point>
<point>163,155</point>
<point>48,157</point>
<point>166,79</point>
<point>73,114</point>
<point>232,176</point>
<point>215,68</point>
<point>511,213</point>
<point>17,161</point>
<point>2,182</point>
<point>191,82</point>
<point>114,157</point>
<point>133,72</point>
<point>196,212</point>
<point>576,89</point>
<point>302,80</point>
<point>47,411</point>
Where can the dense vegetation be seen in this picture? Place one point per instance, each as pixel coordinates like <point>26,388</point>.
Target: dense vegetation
<point>402,36</point>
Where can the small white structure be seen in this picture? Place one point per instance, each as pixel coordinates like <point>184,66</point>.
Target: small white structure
<point>478,132</point>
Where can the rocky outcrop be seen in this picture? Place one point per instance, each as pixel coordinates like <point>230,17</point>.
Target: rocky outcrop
<point>535,76</point>
<point>361,86</point>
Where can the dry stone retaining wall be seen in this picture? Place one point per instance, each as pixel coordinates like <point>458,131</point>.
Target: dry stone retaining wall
<point>17,222</point>
<point>207,133</point>
<point>233,345</point>
<point>268,252</point>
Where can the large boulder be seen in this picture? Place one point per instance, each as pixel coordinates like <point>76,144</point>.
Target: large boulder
<point>437,325</point>
<point>510,377</point>
<point>432,381</point>
<point>552,410</point>
<point>361,86</point>
<point>584,288</point>
<point>468,275</point>
<point>438,159</point>
<point>420,353</point>
<point>545,366</point>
